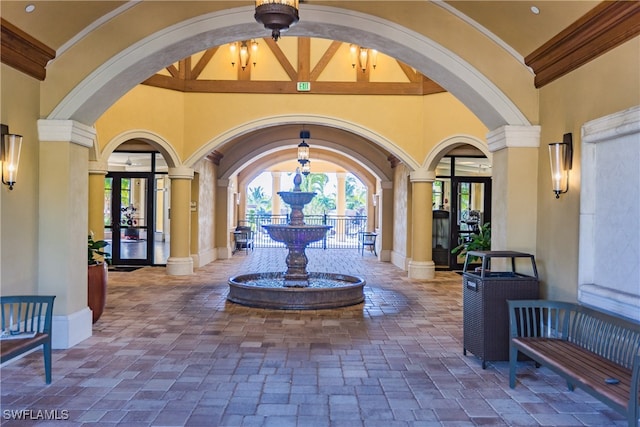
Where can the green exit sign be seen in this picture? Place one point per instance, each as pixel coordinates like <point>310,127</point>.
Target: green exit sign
<point>304,86</point>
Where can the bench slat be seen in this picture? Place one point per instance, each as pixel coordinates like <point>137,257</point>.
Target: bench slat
<point>591,370</point>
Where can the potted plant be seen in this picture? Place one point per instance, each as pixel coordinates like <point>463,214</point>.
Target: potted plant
<point>97,276</point>
<point>480,241</point>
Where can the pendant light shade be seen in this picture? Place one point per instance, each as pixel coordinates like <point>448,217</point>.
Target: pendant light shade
<point>276,15</point>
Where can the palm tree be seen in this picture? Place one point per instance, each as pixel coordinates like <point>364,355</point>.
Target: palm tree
<point>321,203</point>
<point>356,195</point>
<point>257,197</point>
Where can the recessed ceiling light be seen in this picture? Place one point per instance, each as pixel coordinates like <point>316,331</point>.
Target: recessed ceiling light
<point>535,10</point>
<point>30,8</point>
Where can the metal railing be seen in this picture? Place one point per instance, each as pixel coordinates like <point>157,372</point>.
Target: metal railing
<point>343,233</point>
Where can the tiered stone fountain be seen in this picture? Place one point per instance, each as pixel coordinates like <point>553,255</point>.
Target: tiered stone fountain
<point>296,289</point>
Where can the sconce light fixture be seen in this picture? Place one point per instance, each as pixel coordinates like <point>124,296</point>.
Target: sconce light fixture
<point>361,56</point>
<point>303,148</point>
<point>276,15</point>
<point>561,159</point>
<point>245,53</point>
<point>10,156</point>
<point>306,168</point>
<point>303,153</point>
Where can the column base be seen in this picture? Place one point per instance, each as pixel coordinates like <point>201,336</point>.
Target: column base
<point>421,270</point>
<point>68,330</point>
<point>179,266</point>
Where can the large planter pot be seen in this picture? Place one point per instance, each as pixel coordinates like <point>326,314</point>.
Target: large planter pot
<point>97,289</point>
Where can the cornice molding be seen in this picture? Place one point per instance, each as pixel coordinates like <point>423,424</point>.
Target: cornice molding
<point>603,28</point>
<point>23,52</point>
<point>513,137</point>
<point>66,131</point>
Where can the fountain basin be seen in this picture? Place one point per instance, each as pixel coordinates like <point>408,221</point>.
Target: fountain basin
<point>323,290</point>
<point>296,198</point>
<point>300,234</point>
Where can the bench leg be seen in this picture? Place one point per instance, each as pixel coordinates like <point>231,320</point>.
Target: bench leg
<point>513,359</point>
<point>570,386</point>
<point>46,352</point>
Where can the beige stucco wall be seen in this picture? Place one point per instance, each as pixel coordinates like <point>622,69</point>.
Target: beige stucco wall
<point>412,125</point>
<point>19,207</point>
<point>604,86</point>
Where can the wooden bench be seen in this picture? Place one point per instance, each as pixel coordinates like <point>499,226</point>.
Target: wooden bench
<point>595,351</point>
<point>26,325</point>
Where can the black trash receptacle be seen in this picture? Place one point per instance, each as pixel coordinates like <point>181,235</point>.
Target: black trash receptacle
<point>485,294</point>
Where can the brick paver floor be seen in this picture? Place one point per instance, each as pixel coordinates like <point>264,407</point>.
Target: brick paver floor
<point>171,351</point>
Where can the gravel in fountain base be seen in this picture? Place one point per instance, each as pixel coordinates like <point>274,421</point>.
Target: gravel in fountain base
<point>268,290</point>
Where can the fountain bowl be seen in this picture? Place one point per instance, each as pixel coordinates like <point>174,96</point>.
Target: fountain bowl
<point>301,234</point>
<point>268,290</point>
<point>296,198</point>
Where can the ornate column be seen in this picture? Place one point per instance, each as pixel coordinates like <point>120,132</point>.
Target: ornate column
<point>97,172</point>
<point>180,262</point>
<point>224,218</point>
<point>63,225</point>
<point>385,219</point>
<point>421,265</point>
<point>275,187</point>
<point>341,201</point>
<point>514,191</point>
<point>372,205</point>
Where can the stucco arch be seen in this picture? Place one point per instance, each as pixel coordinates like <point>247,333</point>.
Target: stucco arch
<point>449,143</point>
<point>300,119</point>
<point>110,81</point>
<point>256,166</point>
<point>155,140</point>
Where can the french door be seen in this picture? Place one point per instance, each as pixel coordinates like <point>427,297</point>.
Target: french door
<point>129,213</point>
<point>470,209</point>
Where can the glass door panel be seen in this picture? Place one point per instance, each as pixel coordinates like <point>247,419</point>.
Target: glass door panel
<point>128,217</point>
<point>470,209</point>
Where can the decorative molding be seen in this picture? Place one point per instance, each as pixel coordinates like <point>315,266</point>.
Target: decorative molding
<point>393,161</point>
<point>181,172</point>
<point>215,157</point>
<point>513,137</point>
<point>66,131</point>
<point>23,52</point>
<point>613,126</point>
<point>422,175</point>
<point>604,205</point>
<point>603,28</point>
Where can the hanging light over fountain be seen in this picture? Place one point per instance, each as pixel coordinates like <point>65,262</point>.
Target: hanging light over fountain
<point>276,15</point>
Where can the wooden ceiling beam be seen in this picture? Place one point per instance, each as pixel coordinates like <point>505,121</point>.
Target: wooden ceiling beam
<point>203,62</point>
<point>23,52</point>
<point>282,59</point>
<point>324,60</point>
<point>606,26</point>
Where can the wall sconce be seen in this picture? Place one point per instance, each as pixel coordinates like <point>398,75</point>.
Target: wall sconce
<point>244,54</point>
<point>10,156</point>
<point>561,159</point>
<point>361,55</point>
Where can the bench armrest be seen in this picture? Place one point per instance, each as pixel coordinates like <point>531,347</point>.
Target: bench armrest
<point>540,318</point>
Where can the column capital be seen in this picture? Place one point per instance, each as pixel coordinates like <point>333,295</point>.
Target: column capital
<point>512,136</point>
<point>66,131</point>
<point>181,172</point>
<point>386,185</point>
<point>422,175</point>
<point>98,167</point>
